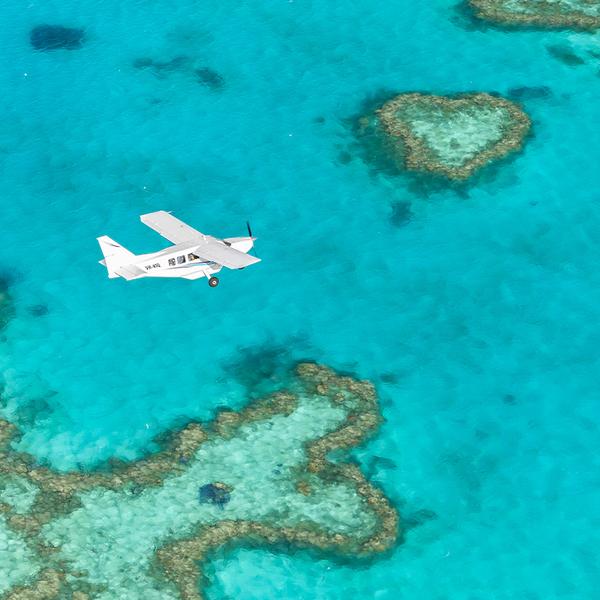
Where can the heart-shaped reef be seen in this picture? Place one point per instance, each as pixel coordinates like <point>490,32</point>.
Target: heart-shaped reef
<point>453,136</point>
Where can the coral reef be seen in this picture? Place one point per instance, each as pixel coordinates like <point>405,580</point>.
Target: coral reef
<point>56,37</point>
<point>577,14</point>
<point>452,136</point>
<point>260,476</point>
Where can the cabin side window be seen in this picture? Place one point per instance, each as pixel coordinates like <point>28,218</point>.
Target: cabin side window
<point>180,260</point>
<point>192,257</point>
<point>171,262</point>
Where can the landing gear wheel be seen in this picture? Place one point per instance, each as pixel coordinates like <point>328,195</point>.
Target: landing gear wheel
<point>213,281</point>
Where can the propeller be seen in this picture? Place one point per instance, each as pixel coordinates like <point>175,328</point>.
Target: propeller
<point>250,236</point>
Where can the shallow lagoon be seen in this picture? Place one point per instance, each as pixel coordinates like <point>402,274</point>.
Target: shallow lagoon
<point>477,318</point>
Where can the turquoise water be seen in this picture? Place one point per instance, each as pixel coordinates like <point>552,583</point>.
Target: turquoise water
<point>474,310</point>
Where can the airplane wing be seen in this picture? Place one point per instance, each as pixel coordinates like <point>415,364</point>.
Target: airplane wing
<point>225,255</point>
<point>169,227</point>
<point>177,231</point>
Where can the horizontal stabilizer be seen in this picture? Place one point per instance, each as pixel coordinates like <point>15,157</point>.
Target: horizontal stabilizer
<point>130,272</point>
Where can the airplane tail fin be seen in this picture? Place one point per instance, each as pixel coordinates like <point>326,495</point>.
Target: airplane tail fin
<point>115,256</point>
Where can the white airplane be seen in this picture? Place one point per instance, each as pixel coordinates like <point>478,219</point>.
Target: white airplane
<point>193,256</point>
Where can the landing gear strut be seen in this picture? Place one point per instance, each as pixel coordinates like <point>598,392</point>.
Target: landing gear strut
<point>213,281</point>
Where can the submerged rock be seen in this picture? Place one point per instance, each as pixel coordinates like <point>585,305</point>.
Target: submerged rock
<point>579,14</point>
<point>214,493</point>
<point>55,37</point>
<point>452,136</point>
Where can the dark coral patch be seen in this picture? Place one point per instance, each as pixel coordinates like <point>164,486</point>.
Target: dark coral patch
<point>378,463</point>
<point>565,55</point>
<point>214,493</point>
<point>183,64</point>
<point>509,399</point>
<point>418,518</point>
<point>344,157</point>
<point>401,214</point>
<point>390,378</point>
<point>525,92</point>
<point>143,63</point>
<point>30,413</point>
<point>56,37</point>
<point>38,310</point>
<point>262,367</point>
<point>210,78</point>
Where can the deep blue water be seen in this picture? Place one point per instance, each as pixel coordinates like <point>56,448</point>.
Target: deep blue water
<point>475,311</point>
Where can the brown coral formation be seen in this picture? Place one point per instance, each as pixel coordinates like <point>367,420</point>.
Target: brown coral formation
<point>539,13</point>
<point>46,587</point>
<point>178,559</point>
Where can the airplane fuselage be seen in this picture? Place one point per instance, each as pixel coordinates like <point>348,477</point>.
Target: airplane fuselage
<point>176,261</point>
